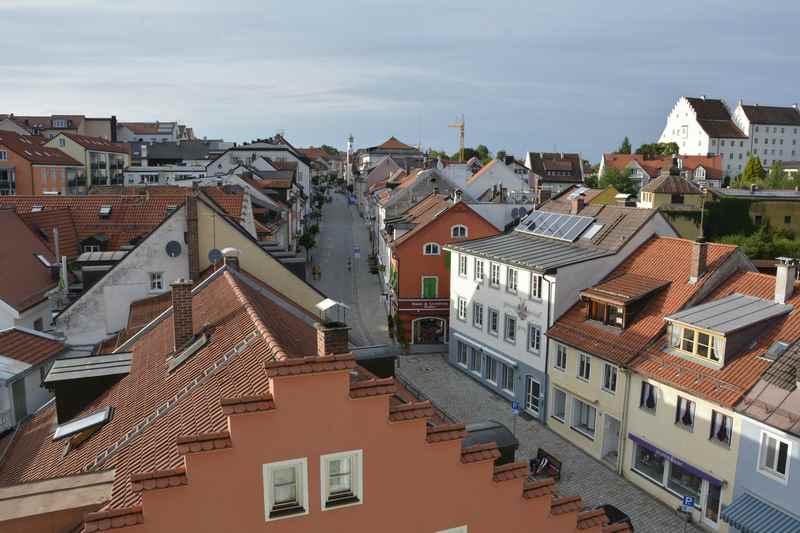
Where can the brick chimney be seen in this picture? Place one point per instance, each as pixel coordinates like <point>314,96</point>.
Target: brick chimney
<point>577,204</point>
<point>231,256</point>
<point>785,275</point>
<point>699,259</point>
<point>333,338</point>
<point>192,234</point>
<point>182,311</point>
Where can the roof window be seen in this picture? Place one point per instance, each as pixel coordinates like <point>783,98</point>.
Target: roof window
<point>105,210</point>
<point>592,231</point>
<point>81,424</point>
<point>178,359</point>
<point>37,208</point>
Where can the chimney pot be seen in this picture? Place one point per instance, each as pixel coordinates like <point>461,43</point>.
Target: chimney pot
<point>577,204</point>
<point>699,257</point>
<point>333,338</point>
<point>231,258</point>
<point>785,275</point>
<point>182,312</point>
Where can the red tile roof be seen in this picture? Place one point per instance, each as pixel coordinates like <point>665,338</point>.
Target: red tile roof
<point>28,147</point>
<point>653,167</point>
<point>43,223</point>
<point>25,280</point>
<point>97,144</point>
<point>393,144</point>
<point>727,385</point>
<point>660,260</point>
<point>28,346</point>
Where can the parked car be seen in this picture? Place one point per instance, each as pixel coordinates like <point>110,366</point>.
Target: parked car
<point>615,515</point>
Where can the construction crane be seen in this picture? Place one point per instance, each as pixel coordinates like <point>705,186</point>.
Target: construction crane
<point>460,125</point>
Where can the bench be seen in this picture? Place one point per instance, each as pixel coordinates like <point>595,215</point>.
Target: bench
<point>545,465</point>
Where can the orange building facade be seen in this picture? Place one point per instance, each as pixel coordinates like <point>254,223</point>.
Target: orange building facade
<point>27,168</point>
<point>422,280</point>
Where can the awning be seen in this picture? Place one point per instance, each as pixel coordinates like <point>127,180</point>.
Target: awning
<point>749,514</point>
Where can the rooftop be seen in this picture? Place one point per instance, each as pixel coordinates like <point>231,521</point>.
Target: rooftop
<point>731,313</point>
<point>763,194</point>
<point>556,167</point>
<point>715,119</point>
<point>29,346</point>
<point>653,167</point>
<point>29,148</point>
<point>625,288</point>
<point>97,144</point>
<point>671,185</point>
<point>772,115</point>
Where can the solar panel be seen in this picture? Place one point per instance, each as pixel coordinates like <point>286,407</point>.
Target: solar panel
<point>555,225</point>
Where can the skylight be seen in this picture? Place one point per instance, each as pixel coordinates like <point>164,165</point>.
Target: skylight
<point>105,210</point>
<point>81,424</point>
<point>37,208</point>
<point>592,231</point>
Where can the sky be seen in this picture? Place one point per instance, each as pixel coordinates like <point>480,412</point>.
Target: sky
<point>566,75</point>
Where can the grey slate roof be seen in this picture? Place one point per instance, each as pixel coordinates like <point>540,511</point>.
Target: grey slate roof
<point>731,313</point>
<point>185,150</point>
<point>529,251</point>
<point>770,194</point>
<point>89,367</point>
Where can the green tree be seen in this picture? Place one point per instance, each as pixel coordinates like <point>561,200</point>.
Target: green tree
<point>307,241</point>
<point>754,173</point>
<point>438,154</point>
<point>620,180</point>
<point>625,147</point>
<point>501,154</point>
<point>655,150</point>
<point>776,177</point>
<point>592,182</point>
<point>483,153</point>
<point>330,149</point>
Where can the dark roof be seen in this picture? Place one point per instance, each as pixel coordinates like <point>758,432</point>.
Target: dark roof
<point>722,128</point>
<point>95,366</point>
<point>779,116</point>
<point>671,185</point>
<point>182,150</point>
<point>761,194</point>
<point>550,167</point>
<point>715,119</point>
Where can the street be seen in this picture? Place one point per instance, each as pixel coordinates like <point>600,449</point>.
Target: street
<point>341,230</point>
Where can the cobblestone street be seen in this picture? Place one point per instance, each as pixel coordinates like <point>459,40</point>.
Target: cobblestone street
<point>464,399</point>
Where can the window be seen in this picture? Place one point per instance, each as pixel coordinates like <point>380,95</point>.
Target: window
<point>494,274</point>
<point>611,315</point>
<point>430,286</point>
<point>584,367</point>
<point>609,378</point>
<point>459,231</point>
<point>479,270</point>
<point>787,219</point>
<point>684,413</point>
<point>507,377</point>
<point>431,248</point>
<point>774,456</point>
<point>511,279</point>
<point>61,142</point>
<point>561,357</point>
<point>59,123</point>
<point>647,397</point>
<point>510,329</point>
<point>477,315</point>
<point>677,199</point>
<point>684,482</point>
<point>758,220</point>
<point>156,281</point>
<point>461,353</point>
<point>286,486</point>
<point>3,155</point>
<point>491,369</point>
<point>494,319</point>
<point>532,394</point>
<point>462,308</point>
<point>559,404</point>
<point>341,481</point>
<point>462,265</point>
<point>721,426</point>
<point>475,361</point>
<point>695,342</point>
<point>583,419</point>
<point>76,426</point>
<point>534,338</point>
<point>536,286</point>
<point>38,324</point>
<point>650,464</point>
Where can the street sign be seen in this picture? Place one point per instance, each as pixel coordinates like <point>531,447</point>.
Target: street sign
<point>515,407</point>
<point>356,252</point>
<point>688,503</point>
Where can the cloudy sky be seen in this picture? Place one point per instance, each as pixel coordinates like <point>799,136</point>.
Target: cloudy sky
<point>528,75</point>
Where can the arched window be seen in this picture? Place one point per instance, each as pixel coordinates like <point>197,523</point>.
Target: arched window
<point>430,248</point>
<point>458,231</point>
<point>700,172</point>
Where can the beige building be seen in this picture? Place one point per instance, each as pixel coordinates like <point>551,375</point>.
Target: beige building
<point>50,126</point>
<point>104,161</point>
<point>679,200</point>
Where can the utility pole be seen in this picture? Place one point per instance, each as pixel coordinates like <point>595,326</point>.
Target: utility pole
<point>460,126</point>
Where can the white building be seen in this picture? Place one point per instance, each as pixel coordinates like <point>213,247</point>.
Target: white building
<point>152,132</point>
<point>163,175</point>
<point>773,132</point>
<point>506,291</point>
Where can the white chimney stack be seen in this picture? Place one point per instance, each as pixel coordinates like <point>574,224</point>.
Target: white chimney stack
<point>784,278</point>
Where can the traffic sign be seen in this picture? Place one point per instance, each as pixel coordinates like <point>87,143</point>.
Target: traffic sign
<point>688,503</point>
<point>515,407</point>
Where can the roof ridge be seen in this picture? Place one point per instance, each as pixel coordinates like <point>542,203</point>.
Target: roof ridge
<point>275,347</point>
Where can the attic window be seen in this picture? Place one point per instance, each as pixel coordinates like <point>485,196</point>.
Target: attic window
<point>171,208</point>
<point>105,210</point>
<point>178,359</point>
<point>95,419</point>
<point>37,208</point>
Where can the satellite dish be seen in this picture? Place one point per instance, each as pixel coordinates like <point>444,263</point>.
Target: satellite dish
<point>214,256</point>
<point>173,248</point>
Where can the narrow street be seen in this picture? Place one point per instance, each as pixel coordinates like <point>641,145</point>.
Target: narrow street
<point>341,230</point>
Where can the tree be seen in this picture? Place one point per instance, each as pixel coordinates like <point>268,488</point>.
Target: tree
<point>753,173</point>
<point>625,147</point>
<point>620,180</point>
<point>437,154</point>
<point>330,149</point>
<point>776,177</point>
<point>501,155</point>
<point>307,241</point>
<point>592,182</point>
<point>483,153</point>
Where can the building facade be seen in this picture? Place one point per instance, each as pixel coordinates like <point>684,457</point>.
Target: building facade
<point>103,161</point>
<point>27,168</point>
<point>773,132</point>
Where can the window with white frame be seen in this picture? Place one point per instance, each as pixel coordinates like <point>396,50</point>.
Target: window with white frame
<point>511,279</point>
<point>491,369</point>
<point>774,456</point>
<point>431,248</point>
<point>90,247</point>
<point>583,418</point>
<point>510,329</point>
<point>494,274</point>
<point>584,366</point>
<point>286,488</point>
<point>478,269</point>
<point>536,286</point>
<point>477,314</point>
<point>341,479</point>
<point>534,338</point>
<point>156,281</point>
<point>459,231</point>
<point>461,353</point>
<point>561,357</point>
<point>3,155</point>
<point>559,404</point>
<point>721,428</point>
<point>609,378</point>
<point>494,321</point>
<point>507,378</point>
<point>475,360</point>
<point>462,265</point>
<point>647,397</point>
<point>684,413</point>
<point>462,308</point>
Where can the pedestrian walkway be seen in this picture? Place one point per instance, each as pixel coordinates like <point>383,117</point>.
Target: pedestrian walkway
<point>463,398</point>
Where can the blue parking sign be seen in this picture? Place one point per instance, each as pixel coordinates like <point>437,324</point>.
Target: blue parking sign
<point>688,503</point>
<point>515,407</point>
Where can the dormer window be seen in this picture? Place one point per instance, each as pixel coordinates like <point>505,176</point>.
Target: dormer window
<point>616,302</point>
<point>696,342</point>
<point>609,314</point>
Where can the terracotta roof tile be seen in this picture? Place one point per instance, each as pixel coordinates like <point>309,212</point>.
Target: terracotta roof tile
<point>285,366</point>
<point>28,347</point>
<point>444,432</point>
<point>43,222</point>
<point>247,404</point>
<point>653,167</point>
<point>539,487</point>
<point>29,148</point>
<point>159,479</point>
<point>372,387</point>
<point>204,442</point>
<point>411,411</point>
<point>113,519</point>
<point>567,504</point>
<point>98,144</point>
<point>480,452</point>
<point>393,144</point>
<point>511,471</point>
<point>623,527</point>
<point>593,518</point>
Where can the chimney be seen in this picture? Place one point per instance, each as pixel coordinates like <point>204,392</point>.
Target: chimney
<point>231,256</point>
<point>699,256</point>
<point>332,338</point>
<point>785,275</point>
<point>182,312</point>
<point>192,233</point>
<point>577,204</point>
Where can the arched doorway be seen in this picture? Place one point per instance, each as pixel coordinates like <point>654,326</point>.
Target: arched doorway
<point>429,330</point>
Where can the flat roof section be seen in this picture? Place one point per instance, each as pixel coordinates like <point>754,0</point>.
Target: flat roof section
<point>731,313</point>
<point>89,367</point>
